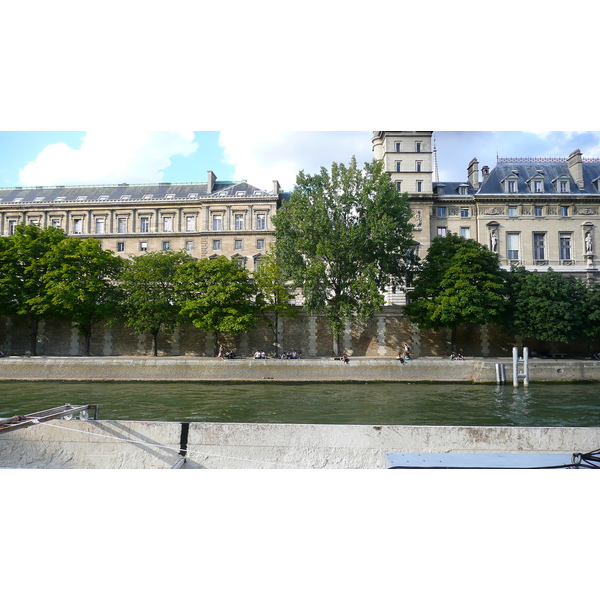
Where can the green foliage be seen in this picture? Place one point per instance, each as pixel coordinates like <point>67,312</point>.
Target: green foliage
<point>272,294</point>
<point>343,237</point>
<point>216,295</point>
<point>548,306</point>
<point>81,283</point>
<point>460,282</point>
<point>149,303</point>
<point>23,264</point>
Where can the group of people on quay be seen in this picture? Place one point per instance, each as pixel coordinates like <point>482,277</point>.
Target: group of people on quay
<point>404,355</point>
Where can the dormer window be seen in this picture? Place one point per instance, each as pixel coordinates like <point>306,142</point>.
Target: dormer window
<point>562,184</point>
<point>193,195</point>
<point>126,197</point>
<point>147,197</point>
<point>463,190</point>
<point>81,198</point>
<point>102,197</point>
<point>169,196</point>
<point>240,193</point>
<point>510,183</point>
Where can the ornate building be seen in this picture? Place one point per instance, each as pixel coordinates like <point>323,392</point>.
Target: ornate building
<point>539,213</point>
<point>205,219</point>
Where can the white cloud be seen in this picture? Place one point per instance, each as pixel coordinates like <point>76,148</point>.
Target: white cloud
<point>261,157</point>
<point>109,157</point>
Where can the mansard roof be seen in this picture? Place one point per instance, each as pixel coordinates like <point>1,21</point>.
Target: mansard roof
<point>451,187</point>
<point>549,169</point>
<point>120,192</point>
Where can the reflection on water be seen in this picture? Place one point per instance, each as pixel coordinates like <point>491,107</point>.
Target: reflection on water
<point>551,405</point>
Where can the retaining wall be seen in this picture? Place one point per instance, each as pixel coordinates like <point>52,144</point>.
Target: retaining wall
<point>139,445</point>
<point>358,369</point>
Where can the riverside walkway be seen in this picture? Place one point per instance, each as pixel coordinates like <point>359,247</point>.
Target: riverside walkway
<point>189,368</point>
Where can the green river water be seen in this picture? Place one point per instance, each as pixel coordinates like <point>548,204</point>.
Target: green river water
<point>540,405</point>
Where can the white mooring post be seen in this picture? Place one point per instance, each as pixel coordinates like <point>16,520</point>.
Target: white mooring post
<point>525,374</point>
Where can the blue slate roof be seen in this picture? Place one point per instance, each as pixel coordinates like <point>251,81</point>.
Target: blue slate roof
<point>551,170</point>
<point>158,191</point>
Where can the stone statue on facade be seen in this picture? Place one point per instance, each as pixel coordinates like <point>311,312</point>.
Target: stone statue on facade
<point>494,241</point>
<point>588,243</point>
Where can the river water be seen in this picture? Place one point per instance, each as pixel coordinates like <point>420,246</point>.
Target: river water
<point>540,405</point>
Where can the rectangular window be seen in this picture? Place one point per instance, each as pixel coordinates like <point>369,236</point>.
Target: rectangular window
<point>538,246</point>
<point>260,244</point>
<point>418,165</point>
<point>441,232</point>
<point>238,244</point>
<point>189,246</point>
<point>55,223</point>
<point>217,222</point>
<point>538,211</point>
<point>399,186</point>
<point>398,166</point>
<point>77,225</point>
<point>512,211</point>
<point>511,186</point>
<point>465,232</point>
<point>120,246</point>
<point>121,225</point>
<point>216,244</point>
<point>419,186</point>
<point>166,246</point>
<point>145,224</point>
<point>398,146</point>
<point>417,146</point>
<point>99,225</point>
<point>464,212</point>
<point>239,222</point>
<point>167,224</point>
<point>441,211</point>
<point>564,186</point>
<point>190,223</point>
<point>537,186</point>
<point>261,221</point>
<point>565,246</point>
<point>12,226</point>
<point>564,211</point>
<point>512,246</point>
<point>143,246</point>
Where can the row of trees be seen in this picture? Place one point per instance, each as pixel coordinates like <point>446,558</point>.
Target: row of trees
<point>343,237</point>
<point>460,281</point>
<point>44,274</point>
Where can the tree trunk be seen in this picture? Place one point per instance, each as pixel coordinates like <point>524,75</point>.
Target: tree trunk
<point>88,341</point>
<point>276,331</point>
<point>154,342</point>
<point>216,334</point>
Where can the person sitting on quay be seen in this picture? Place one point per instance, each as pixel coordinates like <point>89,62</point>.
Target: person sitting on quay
<point>343,358</point>
<point>400,357</point>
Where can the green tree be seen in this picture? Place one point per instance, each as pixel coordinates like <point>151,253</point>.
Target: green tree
<point>24,260</point>
<point>273,296</point>
<point>460,281</point>
<point>149,304</point>
<point>216,295</point>
<point>343,237</point>
<point>82,284</point>
<point>547,306</point>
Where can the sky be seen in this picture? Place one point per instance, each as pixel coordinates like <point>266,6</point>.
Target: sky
<point>46,158</point>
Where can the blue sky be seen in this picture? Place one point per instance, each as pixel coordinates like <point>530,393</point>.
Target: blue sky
<point>30,158</point>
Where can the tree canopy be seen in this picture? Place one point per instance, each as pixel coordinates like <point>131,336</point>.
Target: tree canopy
<point>216,295</point>
<point>459,281</point>
<point>149,302</point>
<point>343,237</point>
<point>548,306</point>
<point>24,260</point>
<point>82,283</point>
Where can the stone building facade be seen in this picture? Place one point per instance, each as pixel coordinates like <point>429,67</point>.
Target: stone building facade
<point>538,213</point>
<point>205,219</point>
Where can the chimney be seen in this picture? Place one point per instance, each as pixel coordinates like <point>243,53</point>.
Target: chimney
<point>473,173</point>
<point>575,164</point>
<point>276,187</point>
<point>485,172</point>
<point>211,182</point>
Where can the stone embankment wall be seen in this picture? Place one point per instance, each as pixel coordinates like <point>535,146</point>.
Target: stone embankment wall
<point>316,370</point>
<point>155,445</point>
<point>382,336</point>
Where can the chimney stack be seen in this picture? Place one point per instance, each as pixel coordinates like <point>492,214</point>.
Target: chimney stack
<point>276,187</point>
<point>575,164</point>
<point>211,182</point>
<point>485,172</point>
<point>473,173</point>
